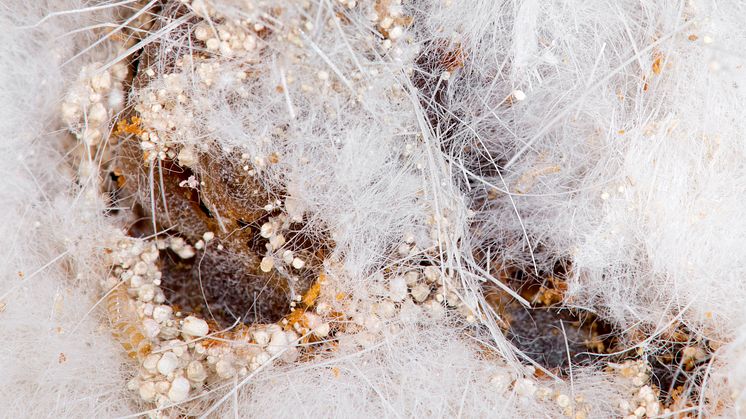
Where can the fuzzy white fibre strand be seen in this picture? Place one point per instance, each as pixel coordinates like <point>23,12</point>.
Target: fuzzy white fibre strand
<point>607,135</point>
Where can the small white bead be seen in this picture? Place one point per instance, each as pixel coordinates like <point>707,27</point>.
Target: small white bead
<point>196,371</point>
<point>396,32</point>
<point>140,268</point>
<point>277,342</point>
<point>261,337</point>
<point>267,264</point>
<point>519,95</point>
<point>168,363</point>
<point>224,369</point>
<point>267,230</point>
<point>298,263</point>
<point>146,292</point>
<point>226,49</point>
<point>420,292</point>
<point>212,44</point>
<point>187,157</point>
<point>147,391</point>
<point>194,326</point>
<point>151,328</point>
<point>186,252</point>
<point>177,347</point>
<point>432,274</point>
<point>199,349</point>
<point>179,390</point>
<point>162,313</point>
<point>151,362</point>
<point>201,33</point>
<point>323,308</point>
<point>249,44</point>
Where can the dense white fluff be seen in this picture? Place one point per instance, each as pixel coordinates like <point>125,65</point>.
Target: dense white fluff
<point>423,370</point>
<point>679,195</point>
<point>56,359</point>
<point>625,157</point>
<point>605,134</point>
<point>620,127</point>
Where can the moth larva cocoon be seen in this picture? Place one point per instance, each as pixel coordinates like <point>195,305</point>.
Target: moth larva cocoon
<point>125,324</point>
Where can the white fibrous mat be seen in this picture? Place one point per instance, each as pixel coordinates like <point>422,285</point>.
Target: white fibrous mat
<point>373,208</point>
